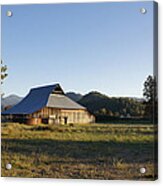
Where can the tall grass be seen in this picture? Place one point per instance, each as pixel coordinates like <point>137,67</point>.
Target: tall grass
<point>94,151</point>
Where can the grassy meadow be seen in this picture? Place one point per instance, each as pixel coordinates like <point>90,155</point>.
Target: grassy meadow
<point>87,151</point>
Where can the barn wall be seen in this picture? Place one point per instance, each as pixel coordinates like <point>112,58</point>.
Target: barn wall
<point>77,116</point>
<point>63,116</point>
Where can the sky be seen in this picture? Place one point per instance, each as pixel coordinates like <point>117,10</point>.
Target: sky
<point>106,47</point>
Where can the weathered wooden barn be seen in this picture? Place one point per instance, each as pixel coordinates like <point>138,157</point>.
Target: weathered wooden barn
<point>48,104</point>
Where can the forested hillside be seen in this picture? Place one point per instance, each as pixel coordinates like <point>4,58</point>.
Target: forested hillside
<point>98,103</point>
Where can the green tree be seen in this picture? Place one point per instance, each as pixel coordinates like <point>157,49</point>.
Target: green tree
<point>103,111</point>
<point>3,75</point>
<point>150,95</point>
<point>110,113</point>
<point>3,72</point>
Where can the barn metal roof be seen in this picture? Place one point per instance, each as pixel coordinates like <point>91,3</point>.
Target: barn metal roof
<point>62,101</point>
<point>40,97</point>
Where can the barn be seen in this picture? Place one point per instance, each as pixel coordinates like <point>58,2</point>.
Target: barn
<point>49,105</point>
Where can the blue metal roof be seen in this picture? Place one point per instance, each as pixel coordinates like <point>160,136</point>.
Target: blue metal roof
<point>34,101</point>
<point>39,98</point>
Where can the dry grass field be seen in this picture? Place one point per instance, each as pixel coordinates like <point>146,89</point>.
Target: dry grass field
<point>90,151</point>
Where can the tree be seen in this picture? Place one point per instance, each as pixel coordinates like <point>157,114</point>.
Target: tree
<point>103,111</point>
<point>150,95</point>
<point>149,91</point>
<point>3,72</point>
<point>3,75</point>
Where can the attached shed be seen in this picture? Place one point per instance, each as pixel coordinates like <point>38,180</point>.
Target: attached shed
<point>49,104</point>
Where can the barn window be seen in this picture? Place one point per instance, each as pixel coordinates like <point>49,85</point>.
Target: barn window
<point>57,90</point>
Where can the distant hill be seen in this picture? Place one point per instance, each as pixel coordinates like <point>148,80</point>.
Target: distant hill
<point>98,103</point>
<point>10,100</point>
<point>74,96</point>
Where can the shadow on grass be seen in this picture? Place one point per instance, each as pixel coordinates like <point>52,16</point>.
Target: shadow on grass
<point>79,150</point>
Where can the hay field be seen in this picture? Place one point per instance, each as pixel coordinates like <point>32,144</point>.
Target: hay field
<point>89,151</point>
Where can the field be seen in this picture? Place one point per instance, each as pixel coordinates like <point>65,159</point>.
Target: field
<point>89,151</point>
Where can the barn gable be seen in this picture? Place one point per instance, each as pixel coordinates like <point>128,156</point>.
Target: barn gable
<point>50,96</point>
<point>63,102</point>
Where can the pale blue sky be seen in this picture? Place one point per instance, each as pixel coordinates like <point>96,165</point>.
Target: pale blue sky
<point>106,47</point>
